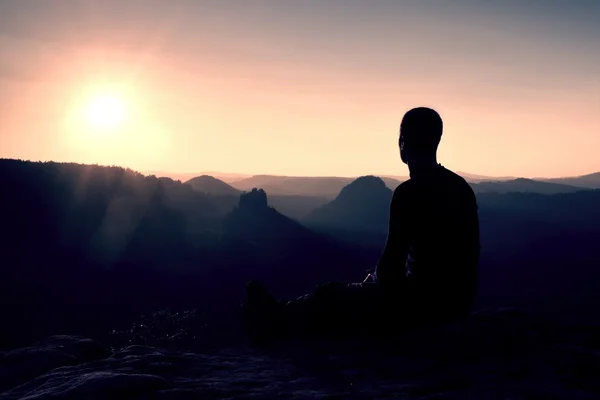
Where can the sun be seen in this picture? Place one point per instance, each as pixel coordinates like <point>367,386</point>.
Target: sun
<point>114,124</point>
<point>105,112</point>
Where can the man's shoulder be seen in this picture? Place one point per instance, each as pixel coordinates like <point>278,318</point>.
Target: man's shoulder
<point>458,180</point>
<point>453,175</point>
<point>401,193</point>
<point>404,187</point>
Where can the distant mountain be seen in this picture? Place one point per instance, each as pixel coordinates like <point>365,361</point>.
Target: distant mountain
<point>86,246</point>
<point>538,247</point>
<point>254,220</point>
<point>186,176</point>
<point>591,181</point>
<point>296,206</point>
<point>393,182</point>
<point>73,233</point>
<point>474,178</point>
<point>471,178</point>
<point>328,187</point>
<point>281,252</point>
<point>293,206</point>
<point>523,185</point>
<point>363,205</point>
<point>210,185</point>
<point>317,186</point>
<point>227,177</point>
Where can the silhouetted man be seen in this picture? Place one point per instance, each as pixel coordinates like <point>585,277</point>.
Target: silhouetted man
<point>432,249</point>
<point>428,269</point>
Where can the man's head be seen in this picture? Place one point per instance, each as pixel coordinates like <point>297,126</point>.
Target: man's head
<point>420,134</point>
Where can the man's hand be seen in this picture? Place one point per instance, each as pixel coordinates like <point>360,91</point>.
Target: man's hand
<point>371,278</point>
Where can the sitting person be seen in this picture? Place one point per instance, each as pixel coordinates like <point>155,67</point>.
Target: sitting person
<point>428,269</point>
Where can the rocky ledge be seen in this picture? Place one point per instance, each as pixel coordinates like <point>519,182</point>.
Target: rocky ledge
<point>497,355</point>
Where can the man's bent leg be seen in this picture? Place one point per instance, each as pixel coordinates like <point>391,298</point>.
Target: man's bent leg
<point>338,308</point>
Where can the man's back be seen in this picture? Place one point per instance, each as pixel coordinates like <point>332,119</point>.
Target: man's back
<point>437,212</point>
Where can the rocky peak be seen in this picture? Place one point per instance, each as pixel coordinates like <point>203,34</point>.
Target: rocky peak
<point>254,200</point>
<point>364,187</point>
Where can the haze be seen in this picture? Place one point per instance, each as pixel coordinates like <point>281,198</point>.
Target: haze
<point>307,88</point>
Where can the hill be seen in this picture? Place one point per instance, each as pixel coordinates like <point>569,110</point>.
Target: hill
<point>540,246</point>
<point>584,181</point>
<point>474,178</point>
<point>327,187</point>
<point>186,176</point>
<point>296,206</point>
<point>363,205</point>
<point>247,182</point>
<point>88,246</point>
<point>523,185</point>
<point>210,185</point>
<point>301,206</point>
<point>293,206</point>
<point>85,247</point>
<point>278,249</point>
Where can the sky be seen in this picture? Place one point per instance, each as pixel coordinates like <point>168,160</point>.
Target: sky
<point>311,88</point>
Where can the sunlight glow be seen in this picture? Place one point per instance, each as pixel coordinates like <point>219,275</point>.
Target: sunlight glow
<point>105,112</point>
<point>113,123</point>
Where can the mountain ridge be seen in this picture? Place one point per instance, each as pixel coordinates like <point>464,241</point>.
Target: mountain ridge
<point>587,181</point>
<point>76,232</point>
<point>211,185</point>
<point>523,185</point>
<point>361,205</point>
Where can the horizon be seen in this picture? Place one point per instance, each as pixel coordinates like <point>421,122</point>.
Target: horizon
<point>243,175</point>
<point>474,175</point>
<point>289,89</point>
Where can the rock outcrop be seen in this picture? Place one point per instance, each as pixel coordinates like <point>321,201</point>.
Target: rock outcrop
<point>21,365</point>
<point>255,200</point>
<point>496,354</point>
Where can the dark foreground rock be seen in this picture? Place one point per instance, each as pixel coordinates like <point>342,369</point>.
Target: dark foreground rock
<point>495,355</point>
<point>21,365</point>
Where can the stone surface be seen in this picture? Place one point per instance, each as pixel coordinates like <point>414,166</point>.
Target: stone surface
<point>498,355</point>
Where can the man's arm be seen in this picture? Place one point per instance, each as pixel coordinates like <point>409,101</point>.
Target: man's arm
<point>390,270</point>
<point>474,243</point>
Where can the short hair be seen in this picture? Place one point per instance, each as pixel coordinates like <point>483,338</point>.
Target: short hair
<point>421,129</point>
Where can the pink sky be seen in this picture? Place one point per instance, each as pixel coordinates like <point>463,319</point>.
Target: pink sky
<point>306,89</point>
